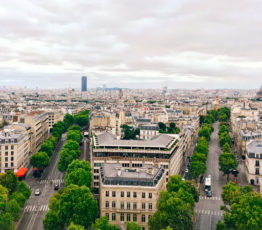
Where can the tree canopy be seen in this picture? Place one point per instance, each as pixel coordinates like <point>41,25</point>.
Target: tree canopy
<point>102,223</point>
<point>40,160</point>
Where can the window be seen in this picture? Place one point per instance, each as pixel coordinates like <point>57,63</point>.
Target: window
<point>96,183</point>
<point>150,195</point>
<point>97,164</point>
<point>257,163</point>
<point>6,159</point>
<point>143,218</point>
<point>134,195</point>
<point>143,195</point>
<point>12,153</point>
<point>257,171</point>
<point>122,205</point>
<point>6,147</point>
<point>107,193</point>
<point>96,177</point>
<point>114,194</point>
<point>96,170</point>
<point>107,215</point>
<point>12,164</point>
<point>134,206</point>
<point>113,204</point>
<point>107,204</point>
<point>6,153</point>
<point>122,194</point>
<point>150,206</point>
<point>6,164</point>
<point>128,217</point>
<point>12,158</point>
<point>113,216</point>
<point>122,217</point>
<point>125,165</point>
<point>128,194</point>
<point>135,218</point>
<point>128,205</point>
<point>12,147</point>
<point>143,206</point>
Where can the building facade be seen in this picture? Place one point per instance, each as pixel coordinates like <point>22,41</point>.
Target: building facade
<point>84,84</point>
<point>14,150</point>
<point>130,194</point>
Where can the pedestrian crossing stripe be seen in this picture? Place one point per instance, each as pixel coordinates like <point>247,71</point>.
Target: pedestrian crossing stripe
<point>209,212</point>
<point>209,198</point>
<point>34,208</point>
<point>56,181</point>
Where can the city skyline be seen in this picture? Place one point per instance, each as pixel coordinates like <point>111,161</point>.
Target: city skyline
<point>131,44</point>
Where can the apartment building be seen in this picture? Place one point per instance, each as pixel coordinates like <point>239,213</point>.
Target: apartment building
<point>38,122</point>
<point>54,117</point>
<point>148,131</point>
<point>14,150</point>
<point>130,194</point>
<point>161,151</point>
<point>254,162</point>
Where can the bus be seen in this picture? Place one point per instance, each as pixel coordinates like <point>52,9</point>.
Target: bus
<point>208,183</point>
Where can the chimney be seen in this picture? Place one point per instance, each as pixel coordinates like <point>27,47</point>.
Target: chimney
<point>119,172</point>
<point>150,170</point>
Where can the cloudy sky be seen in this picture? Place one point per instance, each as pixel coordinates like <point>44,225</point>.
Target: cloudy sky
<point>131,43</point>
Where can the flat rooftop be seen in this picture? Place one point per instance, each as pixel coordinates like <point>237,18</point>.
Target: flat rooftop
<point>115,174</point>
<point>108,139</point>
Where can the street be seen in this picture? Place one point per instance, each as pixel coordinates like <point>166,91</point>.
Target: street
<point>36,206</point>
<point>207,210</point>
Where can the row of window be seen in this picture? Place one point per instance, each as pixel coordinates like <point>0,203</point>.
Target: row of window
<point>11,165</point>
<point>11,158</point>
<point>128,194</point>
<point>6,147</point>
<point>127,217</point>
<point>12,153</point>
<point>128,205</point>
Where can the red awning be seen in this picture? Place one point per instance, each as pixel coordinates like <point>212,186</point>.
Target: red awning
<point>21,172</point>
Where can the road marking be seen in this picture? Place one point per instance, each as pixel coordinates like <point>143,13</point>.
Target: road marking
<point>209,212</point>
<point>209,198</point>
<point>54,181</point>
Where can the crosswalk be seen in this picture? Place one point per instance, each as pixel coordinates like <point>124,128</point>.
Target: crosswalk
<point>209,212</point>
<point>36,208</point>
<point>56,181</point>
<point>209,198</point>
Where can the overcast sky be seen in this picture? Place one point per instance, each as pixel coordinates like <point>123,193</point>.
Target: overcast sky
<point>131,43</point>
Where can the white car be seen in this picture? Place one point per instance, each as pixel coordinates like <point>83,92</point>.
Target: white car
<point>186,171</point>
<point>37,192</point>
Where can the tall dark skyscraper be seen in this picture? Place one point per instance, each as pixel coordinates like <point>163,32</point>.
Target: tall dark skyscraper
<point>84,84</point>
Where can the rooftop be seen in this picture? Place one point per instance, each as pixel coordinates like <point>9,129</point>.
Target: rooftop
<point>114,174</point>
<point>159,141</point>
<point>253,148</point>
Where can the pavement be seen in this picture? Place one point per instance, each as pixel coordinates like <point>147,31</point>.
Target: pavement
<point>207,210</point>
<point>36,207</point>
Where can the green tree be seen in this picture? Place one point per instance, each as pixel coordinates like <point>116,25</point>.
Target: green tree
<point>102,223</point>
<point>132,226</point>
<point>77,205</point>
<point>204,132</point>
<point>54,201</point>
<point>72,145</point>
<point>72,226</point>
<point>76,164</point>
<point>172,212</point>
<point>66,157</point>
<point>226,148</point>
<point>3,192</point>
<point>24,189</point>
<point>47,147</point>
<point>162,126</point>
<point>19,197</point>
<point>75,127</point>
<point>69,120</point>
<point>52,221</point>
<point>13,208</point>
<point>197,168</point>
<point>227,162</point>
<point>40,160</point>
<point>6,221</point>
<point>223,129</point>
<point>172,125</point>
<point>201,148</point>
<point>230,192</point>
<point>81,120</point>
<point>74,135</point>
<point>199,157</point>
<point>79,177</point>
<point>224,138</point>
<point>9,180</point>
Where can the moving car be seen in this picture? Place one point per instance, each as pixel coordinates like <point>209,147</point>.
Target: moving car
<point>37,192</point>
<point>209,193</point>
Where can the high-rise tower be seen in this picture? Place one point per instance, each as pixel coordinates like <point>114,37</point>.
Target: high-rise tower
<point>84,84</point>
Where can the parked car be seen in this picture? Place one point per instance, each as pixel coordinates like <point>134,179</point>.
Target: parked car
<point>209,193</point>
<point>37,192</point>
<point>56,187</point>
<point>202,179</point>
<point>186,171</point>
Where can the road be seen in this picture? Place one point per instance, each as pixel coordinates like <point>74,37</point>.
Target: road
<point>207,210</point>
<point>36,206</point>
